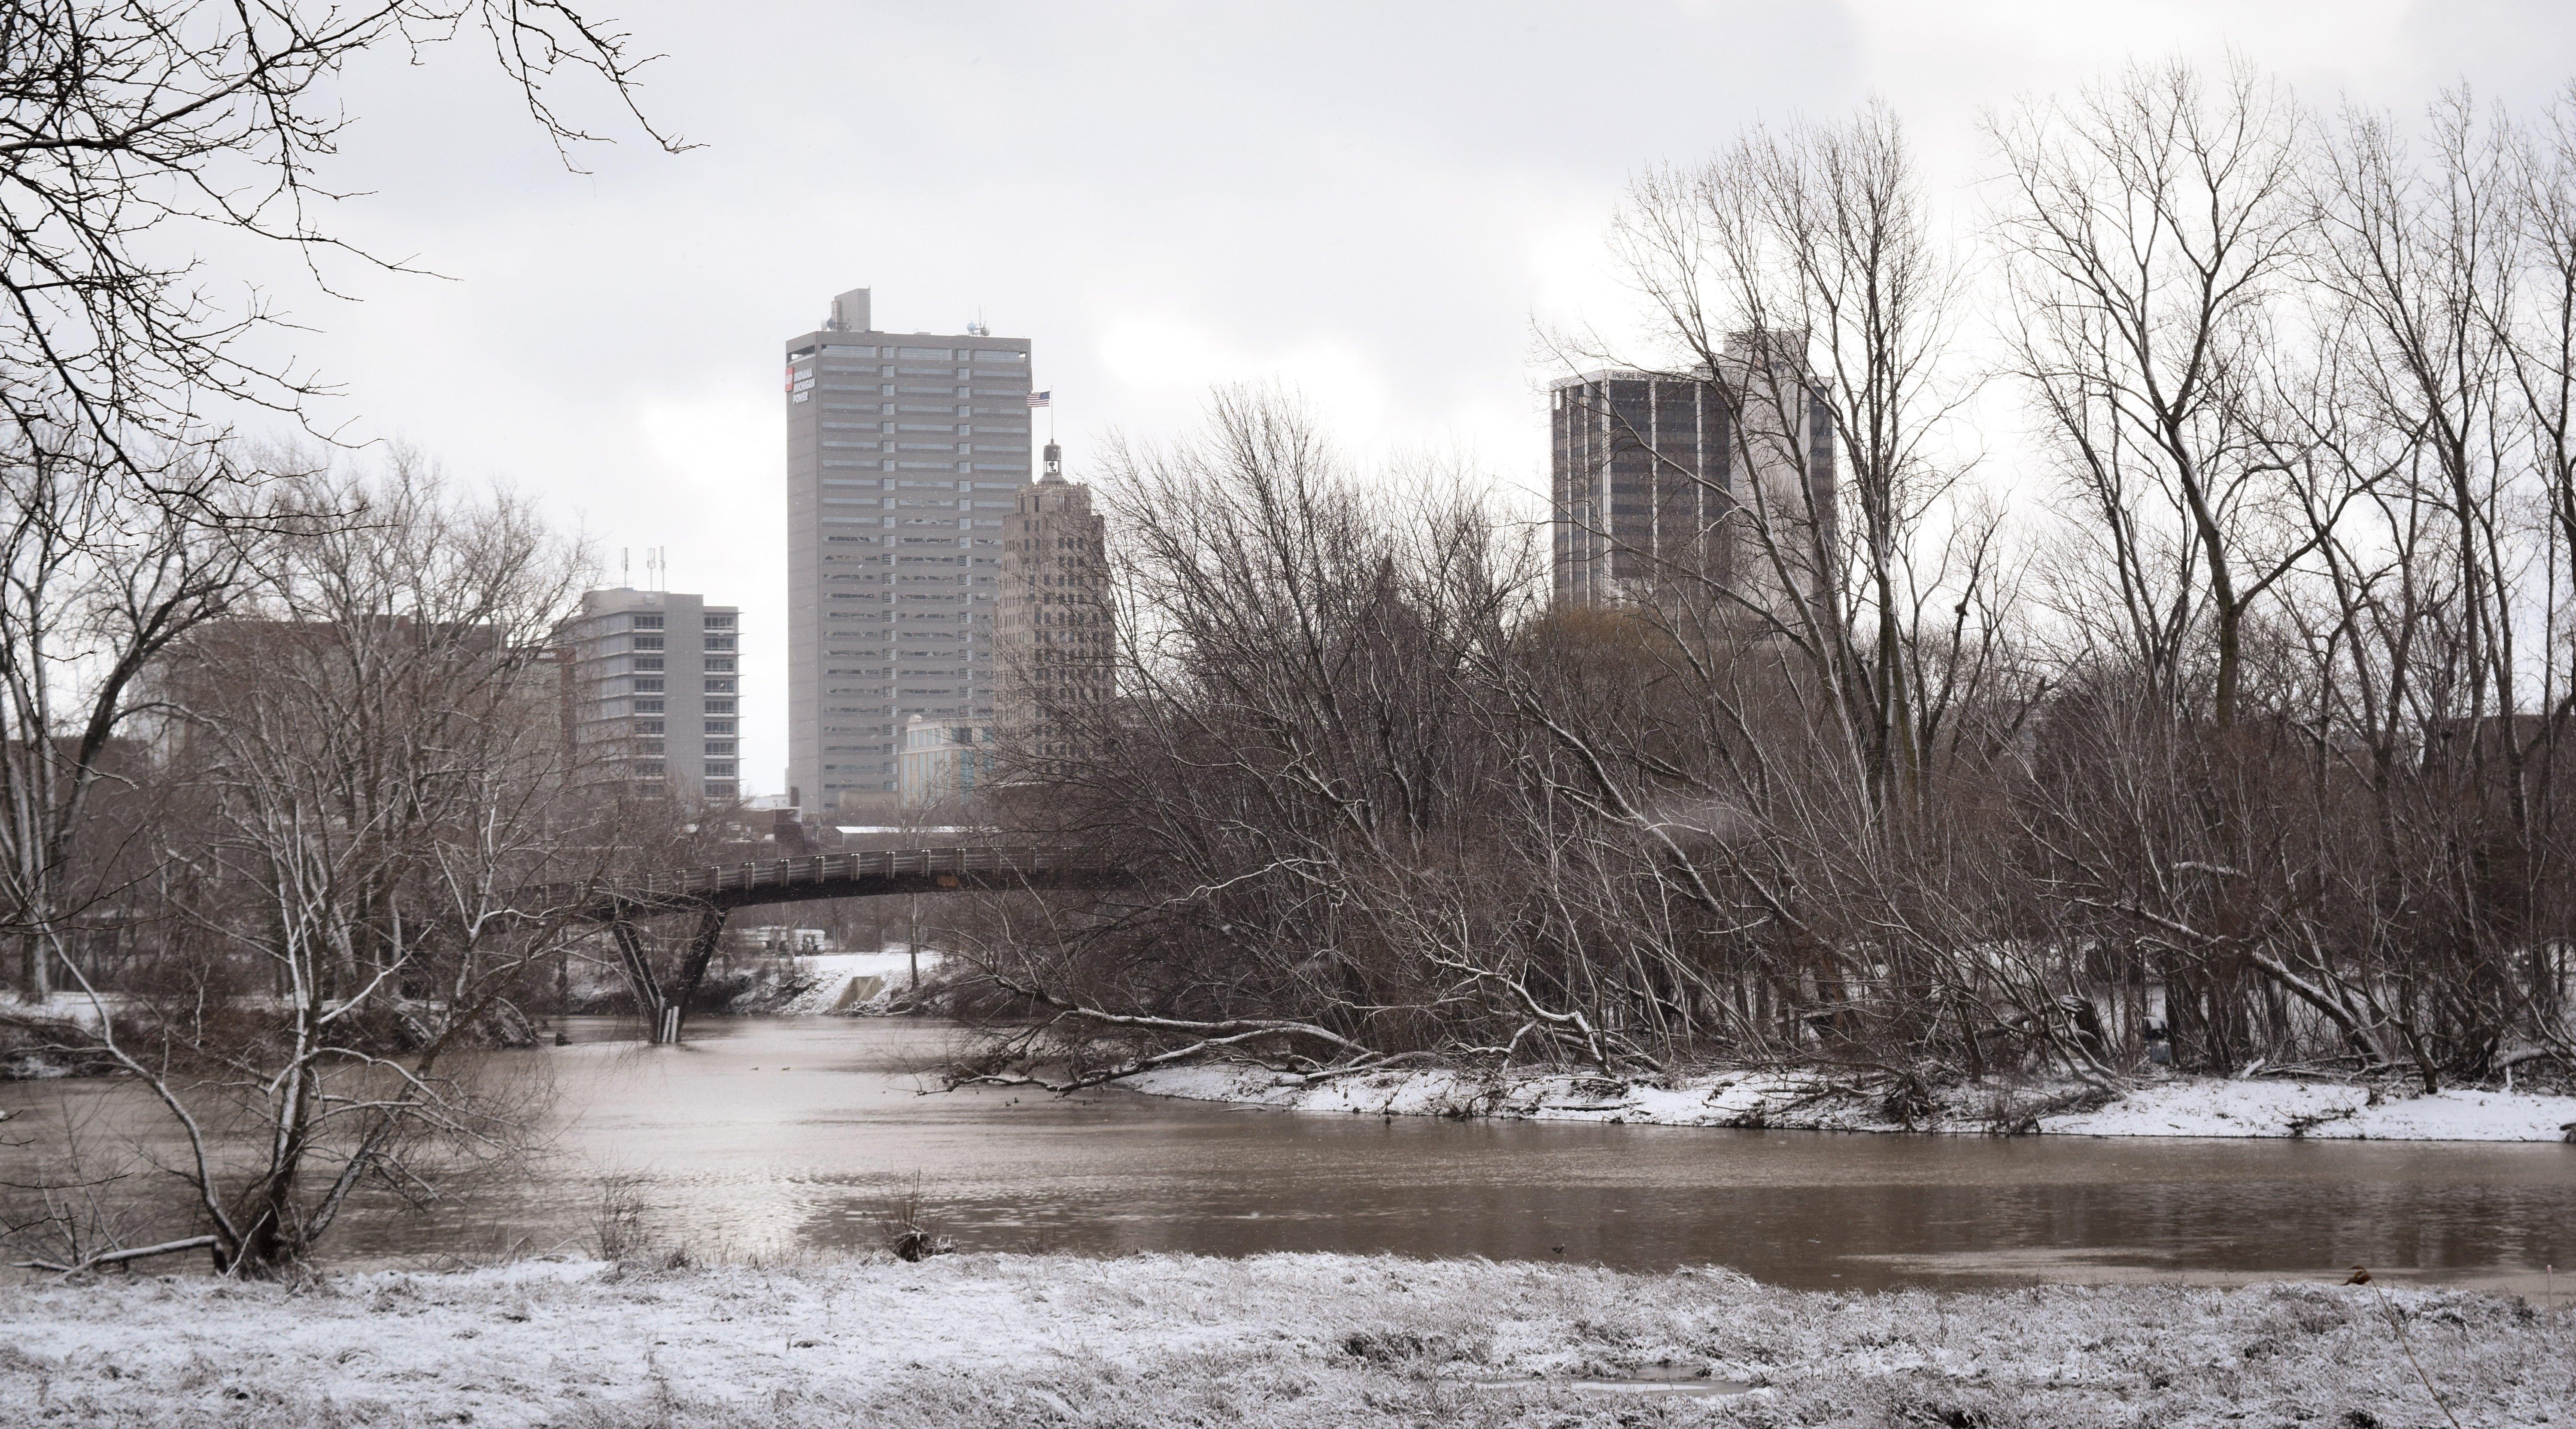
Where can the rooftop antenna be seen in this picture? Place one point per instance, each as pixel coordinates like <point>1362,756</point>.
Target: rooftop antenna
<point>977,327</point>
<point>626,566</point>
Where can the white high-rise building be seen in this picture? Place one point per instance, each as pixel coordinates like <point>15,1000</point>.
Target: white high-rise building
<point>654,699</point>
<point>904,453</point>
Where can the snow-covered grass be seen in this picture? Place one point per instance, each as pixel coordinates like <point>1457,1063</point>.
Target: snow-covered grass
<point>1282,1340</point>
<point>2165,1106</point>
<point>855,982</point>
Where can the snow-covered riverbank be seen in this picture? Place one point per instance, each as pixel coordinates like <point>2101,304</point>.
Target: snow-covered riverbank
<point>1277,1340</point>
<point>2165,1106</point>
<point>849,984</point>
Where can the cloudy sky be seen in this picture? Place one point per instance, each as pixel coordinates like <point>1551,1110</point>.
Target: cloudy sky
<point>1376,202</point>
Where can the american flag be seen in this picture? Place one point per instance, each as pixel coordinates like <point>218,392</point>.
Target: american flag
<point>1041,399</point>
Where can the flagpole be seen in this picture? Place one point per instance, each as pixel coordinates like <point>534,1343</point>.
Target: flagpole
<point>1045,399</point>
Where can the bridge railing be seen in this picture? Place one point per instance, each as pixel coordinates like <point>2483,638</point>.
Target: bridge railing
<point>734,881</point>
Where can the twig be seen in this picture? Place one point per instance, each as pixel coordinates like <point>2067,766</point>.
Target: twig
<point>2398,1325</point>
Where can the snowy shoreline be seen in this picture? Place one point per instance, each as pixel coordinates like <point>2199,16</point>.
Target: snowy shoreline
<point>1279,1340</point>
<point>1795,1100</point>
<point>851,984</point>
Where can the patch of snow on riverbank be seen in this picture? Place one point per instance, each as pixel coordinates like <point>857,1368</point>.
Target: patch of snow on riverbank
<point>2166,1106</point>
<point>2209,1106</point>
<point>1779,1099</point>
<point>856,982</point>
<point>78,1009</point>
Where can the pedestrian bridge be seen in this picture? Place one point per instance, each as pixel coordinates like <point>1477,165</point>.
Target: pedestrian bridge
<point>707,895</point>
<point>728,886</point>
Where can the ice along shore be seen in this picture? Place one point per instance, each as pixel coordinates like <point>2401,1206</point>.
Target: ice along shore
<point>1278,1340</point>
<point>1801,1100</point>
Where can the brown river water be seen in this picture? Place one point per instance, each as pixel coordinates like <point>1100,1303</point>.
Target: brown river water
<point>781,1136</point>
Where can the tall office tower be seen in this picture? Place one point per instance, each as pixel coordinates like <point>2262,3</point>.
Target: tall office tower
<point>1640,480</point>
<point>902,454</point>
<point>654,692</point>
<point>1644,474</point>
<point>1056,639</point>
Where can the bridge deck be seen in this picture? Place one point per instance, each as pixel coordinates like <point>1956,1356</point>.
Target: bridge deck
<point>838,875</point>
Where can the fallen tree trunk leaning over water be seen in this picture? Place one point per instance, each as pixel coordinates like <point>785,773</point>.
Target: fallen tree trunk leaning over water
<point>997,1068</point>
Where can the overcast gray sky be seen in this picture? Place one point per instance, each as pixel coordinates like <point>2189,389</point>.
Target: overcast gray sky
<point>1375,202</point>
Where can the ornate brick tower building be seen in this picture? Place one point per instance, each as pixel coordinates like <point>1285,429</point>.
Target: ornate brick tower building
<point>1055,640</point>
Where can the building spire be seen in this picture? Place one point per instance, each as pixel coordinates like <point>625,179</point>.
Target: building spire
<point>1054,464</point>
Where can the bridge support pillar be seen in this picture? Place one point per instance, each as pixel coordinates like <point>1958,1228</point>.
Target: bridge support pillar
<point>703,941</point>
<point>665,1006</point>
<point>650,1001</point>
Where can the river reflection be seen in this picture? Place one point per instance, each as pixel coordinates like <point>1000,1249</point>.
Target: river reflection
<point>771,1136</point>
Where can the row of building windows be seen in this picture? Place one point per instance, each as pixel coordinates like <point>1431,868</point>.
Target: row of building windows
<point>600,667</point>
<point>655,769</point>
<point>655,726</point>
<point>995,420</point>
<point>990,418</point>
<point>939,522</point>
<point>893,483</point>
<point>831,350</point>
<point>962,468</point>
<point>651,706</point>
<point>649,620</point>
<point>980,386</point>
<point>721,728</point>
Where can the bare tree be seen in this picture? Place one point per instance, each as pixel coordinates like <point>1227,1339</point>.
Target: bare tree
<point>2539,178</point>
<point>1802,270</point>
<point>372,752</point>
<point>2149,229</point>
<point>125,124</point>
<point>95,585</point>
<point>1294,748</point>
<point>2423,262</point>
<point>121,126</point>
<point>1838,677</point>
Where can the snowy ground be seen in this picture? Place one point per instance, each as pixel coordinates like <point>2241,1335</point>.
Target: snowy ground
<point>77,1008</point>
<point>855,982</point>
<point>1277,1340</point>
<point>2166,1106</point>
<point>24,1054</point>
